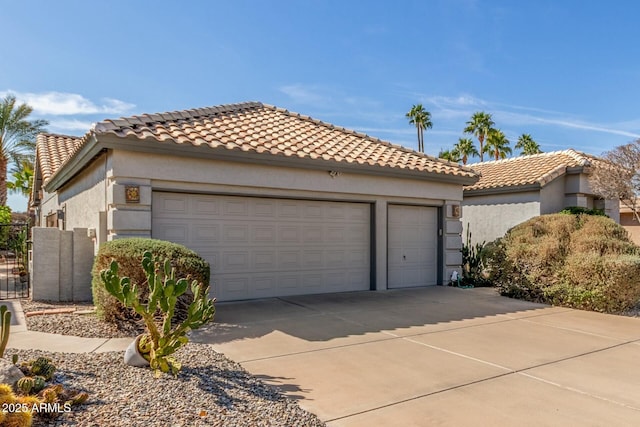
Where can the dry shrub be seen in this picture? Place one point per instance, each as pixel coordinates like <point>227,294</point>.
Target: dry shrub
<point>578,261</point>
<point>128,253</point>
<point>602,236</point>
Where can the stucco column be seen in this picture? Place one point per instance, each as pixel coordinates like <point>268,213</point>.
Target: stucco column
<point>126,217</point>
<point>452,239</point>
<point>380,214</point>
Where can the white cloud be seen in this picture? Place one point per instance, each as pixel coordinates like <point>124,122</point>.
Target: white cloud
<point>304,94</point>
<point>72,126</point>
<point>506,115</point>
<point>584,126</point>
<point>62,104</point>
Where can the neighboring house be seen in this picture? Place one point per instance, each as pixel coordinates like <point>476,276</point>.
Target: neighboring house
<point>630,223</point>
<point>513,190</point>
<point>278,203</point>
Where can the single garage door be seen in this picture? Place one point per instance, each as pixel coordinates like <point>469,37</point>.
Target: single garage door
<point>263,247</point>
<point>412,246</point>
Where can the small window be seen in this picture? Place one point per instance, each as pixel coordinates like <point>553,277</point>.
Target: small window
<point>56,219</point>
<point>52,219</point>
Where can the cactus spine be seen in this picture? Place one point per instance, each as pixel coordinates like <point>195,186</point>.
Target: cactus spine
<point>5,326</point>
<point>25,384</point>
<point>78,399</point>
<point>43,366</point>
<point>38,383</point>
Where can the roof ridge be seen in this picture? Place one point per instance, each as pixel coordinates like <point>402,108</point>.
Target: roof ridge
<point>576,155</point>
<point>59,135</point>
<point>191,113</point>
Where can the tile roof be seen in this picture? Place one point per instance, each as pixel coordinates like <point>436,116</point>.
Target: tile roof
<point>264,129</point>
<point>53,150</point>
<point>527,170</point>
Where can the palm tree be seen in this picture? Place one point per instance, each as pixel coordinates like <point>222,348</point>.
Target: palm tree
<point>480,125</point>
<point>527,145</point>
<point>421,118</point>
<point>465,148</point>
<point>497,144</point>
<point>22,174</point>
<point>17,137</point>
<point>450,155</point>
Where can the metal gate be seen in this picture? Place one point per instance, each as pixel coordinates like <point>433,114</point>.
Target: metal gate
<point>14,260</point>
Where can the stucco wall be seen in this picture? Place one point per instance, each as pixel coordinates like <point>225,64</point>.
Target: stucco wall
<point>628,221</point>
<point>83,200</point>
<point>48,205</point>
<point>85,195</point>
<point>552,196</point>
<point>88,194</point>
<point>490,216</point>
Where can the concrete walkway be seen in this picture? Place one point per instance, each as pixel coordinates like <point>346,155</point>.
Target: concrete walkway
<point>437,356</point>
<point>23,339</point>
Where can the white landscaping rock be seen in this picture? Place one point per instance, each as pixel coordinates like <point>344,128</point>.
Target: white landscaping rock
<point>9,373</point>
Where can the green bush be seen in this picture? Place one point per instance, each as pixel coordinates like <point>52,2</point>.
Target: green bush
<point>5,218</point>
<point>473,263</point>
<point>128,254</point>
<point>579,261</point>
<point>577,210</point>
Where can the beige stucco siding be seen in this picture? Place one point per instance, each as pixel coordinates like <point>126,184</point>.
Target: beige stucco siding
<point>490,216</point>
<point>83,199</point>
<point>85,196</point>
<point>552,196</point>
<point>163,172</point>
<point>628,221</point>
<point>205,175</point>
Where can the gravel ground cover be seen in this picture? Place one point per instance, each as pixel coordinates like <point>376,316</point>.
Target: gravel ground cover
<point>210,390</point>
<point>80,325</point>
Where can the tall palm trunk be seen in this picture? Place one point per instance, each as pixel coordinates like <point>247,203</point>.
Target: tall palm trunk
<point>481,140</point>
<point>3,180</point>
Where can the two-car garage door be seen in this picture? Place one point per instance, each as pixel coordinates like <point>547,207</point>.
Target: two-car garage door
<point>264,247</point>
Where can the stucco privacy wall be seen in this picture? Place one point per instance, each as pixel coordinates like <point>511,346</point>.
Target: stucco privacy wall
<point>61,264</point>
<point>491,216</point>
<point>163,172</point>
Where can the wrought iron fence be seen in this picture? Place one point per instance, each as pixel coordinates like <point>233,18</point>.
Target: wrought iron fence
<point>14,260</point>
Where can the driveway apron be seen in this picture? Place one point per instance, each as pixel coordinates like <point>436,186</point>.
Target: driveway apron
<point>437,356</point>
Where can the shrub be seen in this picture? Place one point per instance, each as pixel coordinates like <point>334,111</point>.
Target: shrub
<point>128,254</point>
<point>577,210</point>
<point>579,261</point>
<point>473,262</point>
<point>5,219</point>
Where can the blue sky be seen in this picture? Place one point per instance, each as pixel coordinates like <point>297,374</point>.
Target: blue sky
<point>566,72</point>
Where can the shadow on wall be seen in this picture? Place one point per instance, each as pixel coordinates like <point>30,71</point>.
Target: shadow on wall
<point>331,316</point>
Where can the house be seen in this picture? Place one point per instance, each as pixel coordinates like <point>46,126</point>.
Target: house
<point>277,202</point>
<point>630,223</point>
<point>513,190</point>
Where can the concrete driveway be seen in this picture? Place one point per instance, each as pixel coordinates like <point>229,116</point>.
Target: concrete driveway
<point>437,356</point>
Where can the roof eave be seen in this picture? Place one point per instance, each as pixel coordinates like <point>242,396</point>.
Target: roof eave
<point>502,190</point>
<point>204,151</point>
<point>74,164</point>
